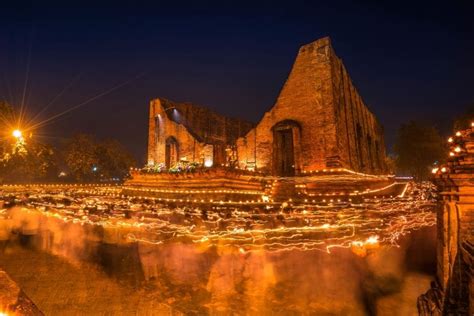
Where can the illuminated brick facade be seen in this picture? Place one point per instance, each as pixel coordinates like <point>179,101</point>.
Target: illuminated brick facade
<point>318,121</point>
<point>183,131</point>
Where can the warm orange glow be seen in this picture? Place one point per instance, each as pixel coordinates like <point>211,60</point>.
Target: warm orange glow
<point>304,227</point>
<point>17,134</point>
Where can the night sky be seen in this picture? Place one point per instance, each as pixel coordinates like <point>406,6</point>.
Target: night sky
<point>409,60</point>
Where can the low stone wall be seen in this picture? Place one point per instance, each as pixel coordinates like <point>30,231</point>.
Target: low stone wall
<point>223,184</point>
<point>213,183</point>
<point>13,300</point>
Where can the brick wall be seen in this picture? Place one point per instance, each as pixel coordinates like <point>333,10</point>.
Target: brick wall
<point>453,293</point>
<point>331,126</point>
<point>193,127</point>
<point>161,127</point>
<point>320,96</point>
<point>364,152</point>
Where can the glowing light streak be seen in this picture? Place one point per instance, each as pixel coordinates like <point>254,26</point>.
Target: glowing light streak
<point>404,191</point>
<point>372,223</point>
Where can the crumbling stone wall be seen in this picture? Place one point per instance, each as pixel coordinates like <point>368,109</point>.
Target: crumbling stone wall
<point>194,128</point>
<point>330,125</point>
<point>161,127</point>
<point>337,129</point>
<point>362,151</point>
<point>208,125</point>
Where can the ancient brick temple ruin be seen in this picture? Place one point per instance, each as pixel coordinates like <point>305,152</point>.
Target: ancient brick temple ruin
<point>183,131</point>
<point>318,140</point>
<point>453,291</point>
<point>318,121</point>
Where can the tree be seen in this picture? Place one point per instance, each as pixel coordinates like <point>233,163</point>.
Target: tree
<point>464,121</point>
<point>88,159</point>
<point>390,162</point>
<point>418,147</point>
<point>34,162</point>
<point>7,119</point>
<point>81,158</point>
<point>114,161</point>
<point>22,158</point>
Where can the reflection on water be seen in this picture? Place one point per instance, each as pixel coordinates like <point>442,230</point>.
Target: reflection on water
<point>325,259</point>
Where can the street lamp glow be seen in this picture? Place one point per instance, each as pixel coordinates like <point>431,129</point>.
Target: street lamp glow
<point>16,133</point>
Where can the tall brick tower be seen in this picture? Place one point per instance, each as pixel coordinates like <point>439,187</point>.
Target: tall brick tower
<point>318,121</point>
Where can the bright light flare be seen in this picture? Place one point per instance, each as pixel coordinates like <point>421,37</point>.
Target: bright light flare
<point>17,133</point>
<point>372,240</point>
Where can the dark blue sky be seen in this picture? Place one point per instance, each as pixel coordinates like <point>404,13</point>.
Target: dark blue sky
<point>410,60</point>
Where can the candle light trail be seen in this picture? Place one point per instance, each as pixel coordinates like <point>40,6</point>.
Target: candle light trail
<point>247,226</point>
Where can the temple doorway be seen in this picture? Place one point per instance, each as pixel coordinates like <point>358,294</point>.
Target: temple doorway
<point>285,162</point>
<point>171,152</point>
<point>284,148</point>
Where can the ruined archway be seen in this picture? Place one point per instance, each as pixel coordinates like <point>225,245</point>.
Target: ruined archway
<point>286,136</point>
<point>171,152</point>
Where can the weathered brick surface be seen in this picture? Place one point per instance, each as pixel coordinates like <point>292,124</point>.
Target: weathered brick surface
<point>365,152</point>
<point>454,293</point>
<point>320,96</point>
<point>331,126</point>
<point>194,128</point>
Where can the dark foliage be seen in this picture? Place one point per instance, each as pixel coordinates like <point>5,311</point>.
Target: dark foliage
<point>418,147</point>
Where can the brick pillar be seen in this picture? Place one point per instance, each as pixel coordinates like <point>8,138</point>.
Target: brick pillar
<point>454,293</point>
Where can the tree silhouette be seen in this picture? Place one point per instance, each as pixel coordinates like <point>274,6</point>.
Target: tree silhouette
<point>418,147</point>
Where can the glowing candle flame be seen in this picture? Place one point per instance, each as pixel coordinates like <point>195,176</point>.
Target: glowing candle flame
<point>17,134</point>
<point>372,240</point>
